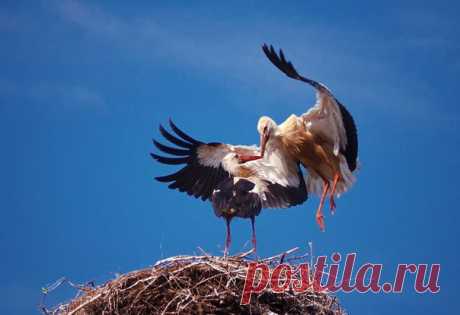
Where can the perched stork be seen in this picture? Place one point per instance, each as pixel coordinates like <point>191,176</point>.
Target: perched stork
<point>324,139</point>
<point>214,171</point>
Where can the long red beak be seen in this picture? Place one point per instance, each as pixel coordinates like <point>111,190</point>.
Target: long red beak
<point>263,142</point>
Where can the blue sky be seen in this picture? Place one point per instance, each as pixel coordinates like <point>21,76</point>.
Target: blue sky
<point>83,87</point>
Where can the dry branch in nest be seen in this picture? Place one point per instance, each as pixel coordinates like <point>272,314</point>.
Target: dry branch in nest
<point>194,285</point>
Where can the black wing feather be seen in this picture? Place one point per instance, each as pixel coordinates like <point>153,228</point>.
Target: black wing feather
<point>174,139</point>
<point>194,178</point>
<point>351,150</point>
<point>278,196</point>
<point>286,66</point>
<point>170,150</point>
<point>182,134</point>
<point>171,177</point>
<point>169,160</point>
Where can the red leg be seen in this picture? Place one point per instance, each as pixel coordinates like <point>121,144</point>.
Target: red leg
<point>228,238</point>
<point>319,212</point>
<point>254,239</point>
<point>334,186</point>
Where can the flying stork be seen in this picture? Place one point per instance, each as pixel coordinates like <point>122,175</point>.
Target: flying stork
<point>235,188</point>
<point>324,139</point>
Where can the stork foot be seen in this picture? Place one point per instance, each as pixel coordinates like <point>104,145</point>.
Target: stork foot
<point>332,205</point>
<point>227,246</point>
<point>319,211</point>
<point>320,221</point>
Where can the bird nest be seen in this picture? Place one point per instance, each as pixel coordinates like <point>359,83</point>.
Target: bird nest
<point>193,285</point>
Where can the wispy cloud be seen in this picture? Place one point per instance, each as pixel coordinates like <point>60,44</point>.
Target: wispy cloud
<point>236,57</point>
<point>147,37</point>
<point>68,96</point>
<point>52,94</point>
<point>92,19</point>
<point>353,62</point>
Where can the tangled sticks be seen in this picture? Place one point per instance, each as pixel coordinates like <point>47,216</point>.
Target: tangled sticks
<point>195,285</point>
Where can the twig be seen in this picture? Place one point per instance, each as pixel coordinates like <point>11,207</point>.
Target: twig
<point>85,304</point>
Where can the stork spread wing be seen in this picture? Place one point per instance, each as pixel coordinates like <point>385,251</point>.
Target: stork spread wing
<point>212,171</point>
<point>328,116</point>
<point>203,169</point>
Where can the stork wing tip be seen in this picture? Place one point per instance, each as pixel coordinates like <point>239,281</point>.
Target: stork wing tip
<point>279,61</point>
<point>164,179</point>
<point>171,123</point>
<point>268,50</point>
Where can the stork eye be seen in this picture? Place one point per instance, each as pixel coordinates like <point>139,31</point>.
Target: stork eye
<point>265,128</point>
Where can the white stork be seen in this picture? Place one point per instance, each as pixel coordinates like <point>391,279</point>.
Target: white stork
<point>324,139</point>
<point>236,189</point>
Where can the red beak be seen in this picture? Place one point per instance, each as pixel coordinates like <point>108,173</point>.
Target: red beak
<point>263,142</point>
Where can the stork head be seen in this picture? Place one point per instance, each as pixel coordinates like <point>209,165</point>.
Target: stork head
<point>266,128</point>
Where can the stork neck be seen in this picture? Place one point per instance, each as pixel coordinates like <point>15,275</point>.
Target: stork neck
<point>272,144</point>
